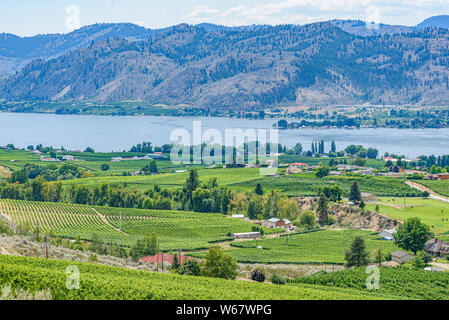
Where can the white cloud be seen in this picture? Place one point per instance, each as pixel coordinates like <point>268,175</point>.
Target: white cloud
<point>306,11</point>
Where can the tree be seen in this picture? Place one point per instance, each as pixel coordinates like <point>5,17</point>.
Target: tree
<point>372,153</point>
<point>322,210</point>
<point>89,150</point>
<point>105,167</point>
<point>282,124</point>
<point>412,235</point>
<point>362,205</point>
<point>333,193</point>
<point>356,256</point>
<point>218,264</point>
<point>353,149</point>
<point>322,171</point>
<point>297,149</point>
<point>378,255</point>
<point>257,275</point>
<point>307,219</point>
<point>355,195</point>
<point>19,176</point>
<point>192,183</point>
<point>333,147</point>
<point>259,190</point>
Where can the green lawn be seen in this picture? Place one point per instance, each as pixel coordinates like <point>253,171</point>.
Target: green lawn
<point>324,247</point>
<point>431,212</point>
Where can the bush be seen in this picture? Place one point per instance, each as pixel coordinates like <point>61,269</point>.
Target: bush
<point>105,167</point>
<point>277,279</point>
<point>190,268</point>
<point>93,258</point>
<point>257,275</point>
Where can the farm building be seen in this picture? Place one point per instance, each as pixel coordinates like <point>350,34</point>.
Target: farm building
<point>368,197</point>
<point>238,216</point>
<point>277,223</point>
<point>167,259</point>
<point>246,235</point>
<point>68,158</point>
<point>437,248</point>
<point>439,176</point>
<point>401,257</point>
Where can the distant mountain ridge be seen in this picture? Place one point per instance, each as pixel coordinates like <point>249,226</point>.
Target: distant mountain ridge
<point>211,66</point>
<point>441,21</point>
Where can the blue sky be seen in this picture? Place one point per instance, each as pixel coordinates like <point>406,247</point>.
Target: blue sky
<point>30,17</point>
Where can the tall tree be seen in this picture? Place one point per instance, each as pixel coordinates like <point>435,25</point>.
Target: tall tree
<point>322,211</point>
<point>192,183</point>
<point>333,147</point>
<point>356,256</point>
<point>355,195</point>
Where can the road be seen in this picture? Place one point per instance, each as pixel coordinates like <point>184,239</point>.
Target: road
<point>432,194</point>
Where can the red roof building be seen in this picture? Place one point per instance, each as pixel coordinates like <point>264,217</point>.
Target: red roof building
<point>299,164</point>
<point>166,258</point>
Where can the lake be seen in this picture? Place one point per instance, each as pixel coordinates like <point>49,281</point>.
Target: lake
<point>109,133</point>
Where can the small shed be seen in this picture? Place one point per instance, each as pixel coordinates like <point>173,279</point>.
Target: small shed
<point>400,256</point>
<point>246,235</point>
<point>368,197</point>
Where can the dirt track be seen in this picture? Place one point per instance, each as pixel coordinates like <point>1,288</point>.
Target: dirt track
<point>433,194</point>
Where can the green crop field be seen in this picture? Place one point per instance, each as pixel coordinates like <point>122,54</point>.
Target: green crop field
<point>67,220</point>
<point>431,212</point>
<point>439,186</point>
<point>99,282</point>
<point>327,246</point>
<point>177,229</point>
<point>400,281</point>
<point>224,177</point>
<point>174,229</point>
<point>306,184</point>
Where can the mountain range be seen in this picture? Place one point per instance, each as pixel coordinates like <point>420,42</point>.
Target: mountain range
<point>251,67</point>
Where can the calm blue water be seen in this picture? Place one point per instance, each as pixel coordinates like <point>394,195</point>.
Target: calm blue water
<point>108,133</point>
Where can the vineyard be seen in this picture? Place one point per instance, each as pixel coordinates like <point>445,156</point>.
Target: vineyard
<point>177,229</point>
<point>410,283</point>
<point>67,220</point>
<point>325,247</point>
<point>439,186</point>
<point>99,282</point>
<point>309,185</point>
<point>174,229</point>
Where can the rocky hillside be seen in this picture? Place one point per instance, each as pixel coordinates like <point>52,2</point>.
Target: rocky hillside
<point>317,64</point>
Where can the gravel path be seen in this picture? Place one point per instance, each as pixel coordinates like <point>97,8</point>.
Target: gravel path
<point>433,194</point>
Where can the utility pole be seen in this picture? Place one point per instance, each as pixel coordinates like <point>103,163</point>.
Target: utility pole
<point>333,275</point>
<point>157,257</point>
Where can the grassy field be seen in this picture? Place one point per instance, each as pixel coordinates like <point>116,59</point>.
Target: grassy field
<point>174,229</point>
<point>432,212</point>
<point>439,186</point>
<point>321,247</point>
<point>99,282</point>
<point>308,185</point>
